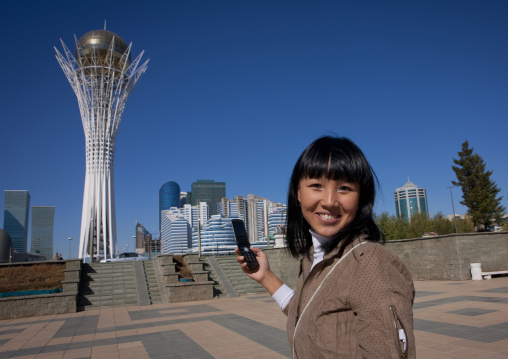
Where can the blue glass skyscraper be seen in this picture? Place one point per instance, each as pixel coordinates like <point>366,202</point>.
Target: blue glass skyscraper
<point>169,196</point>
<point>210,192</point>
<point>43,220</point>
<point>16,208</point>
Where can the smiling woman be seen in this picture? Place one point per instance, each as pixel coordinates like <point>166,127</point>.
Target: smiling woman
<point>354,297</point>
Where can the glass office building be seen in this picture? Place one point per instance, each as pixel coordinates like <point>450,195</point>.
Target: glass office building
<point>169,196</point>
<point>210,192</point>
<point>16,209</point>
<point>43,220</point>
<point>409,200</point>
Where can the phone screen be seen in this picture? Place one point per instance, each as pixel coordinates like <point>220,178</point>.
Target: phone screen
<point>240,234</point>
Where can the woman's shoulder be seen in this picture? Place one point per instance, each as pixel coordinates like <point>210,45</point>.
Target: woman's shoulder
<point>373,250</point>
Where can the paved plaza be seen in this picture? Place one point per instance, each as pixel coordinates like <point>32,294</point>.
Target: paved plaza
<point>466,319</point>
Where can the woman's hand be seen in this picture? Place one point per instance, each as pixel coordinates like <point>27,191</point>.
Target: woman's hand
<point>262,274</point>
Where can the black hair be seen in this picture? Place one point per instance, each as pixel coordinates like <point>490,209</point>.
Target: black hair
<point>335,158</point>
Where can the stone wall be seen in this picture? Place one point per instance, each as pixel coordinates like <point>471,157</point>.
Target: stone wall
<point>448,257</point>
<point>45,304</point>
<point>283,265</point>
<point>432,258</point>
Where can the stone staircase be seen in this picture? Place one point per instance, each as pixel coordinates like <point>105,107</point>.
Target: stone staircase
<point>238,279</point>
<point>151,282</point>
<point>118,284</point>
<point>106,285</point>
<point>218,289</point>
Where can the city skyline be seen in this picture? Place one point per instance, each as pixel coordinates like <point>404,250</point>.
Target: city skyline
<point>237,90</point>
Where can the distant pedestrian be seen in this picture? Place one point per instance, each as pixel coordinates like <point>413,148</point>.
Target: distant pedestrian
<point>56,257</point>
<point>60,258</point>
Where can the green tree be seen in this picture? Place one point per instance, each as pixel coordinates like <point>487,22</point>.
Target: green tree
<point>479,191</point>
<point>441,224</point>
<point>399,228</point>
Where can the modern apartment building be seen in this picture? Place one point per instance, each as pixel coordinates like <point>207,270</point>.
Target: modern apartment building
<point>409,200</point>
<point>16,211</point>
<point>233,208</point>
<point>43,221</point>
<point>175,232</point>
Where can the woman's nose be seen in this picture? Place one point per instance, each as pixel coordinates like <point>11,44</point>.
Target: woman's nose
<point>329,197</point>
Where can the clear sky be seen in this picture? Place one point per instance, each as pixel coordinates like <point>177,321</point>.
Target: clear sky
<point>235,90</point>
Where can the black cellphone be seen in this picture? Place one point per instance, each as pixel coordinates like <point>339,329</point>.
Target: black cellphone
<point>242,241</point>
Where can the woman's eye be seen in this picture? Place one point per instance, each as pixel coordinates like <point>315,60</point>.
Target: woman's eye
<point>344,189</point>
<point>316,185</point>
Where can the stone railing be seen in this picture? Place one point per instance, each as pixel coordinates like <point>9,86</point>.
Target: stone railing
<point>45,304</point>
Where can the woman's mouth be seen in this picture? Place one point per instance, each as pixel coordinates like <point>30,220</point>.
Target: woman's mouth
<point>327,217</point>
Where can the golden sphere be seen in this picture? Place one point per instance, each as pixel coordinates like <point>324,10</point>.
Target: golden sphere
<point>95,45</point>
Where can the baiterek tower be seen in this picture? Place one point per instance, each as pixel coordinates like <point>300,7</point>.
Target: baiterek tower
<point>102,75</point>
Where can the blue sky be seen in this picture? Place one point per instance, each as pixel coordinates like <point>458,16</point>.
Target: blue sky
<point>235,90</point>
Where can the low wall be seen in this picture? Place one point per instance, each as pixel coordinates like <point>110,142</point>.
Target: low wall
<point>448,257</point>
<point>45,304</point>
<point>431,258</point>
<point>283,265</point>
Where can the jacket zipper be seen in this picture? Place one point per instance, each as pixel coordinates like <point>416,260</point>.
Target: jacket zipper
<point>397,324</point>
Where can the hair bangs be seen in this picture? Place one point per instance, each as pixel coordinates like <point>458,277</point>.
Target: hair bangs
<point>332,163</point>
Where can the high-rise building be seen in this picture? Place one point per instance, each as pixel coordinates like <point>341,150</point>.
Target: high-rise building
<point>233,208</point>
<point>257,212</point>
<point>176,237</point>
<point>142,237</point>
<point>102,74</point>
<point>43,220</point>
<point>409,200</point>
<point>16,209</point>
<point>169,196</point>
<point>210,192</point>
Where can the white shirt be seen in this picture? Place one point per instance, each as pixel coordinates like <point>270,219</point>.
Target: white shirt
<point>284,294</point>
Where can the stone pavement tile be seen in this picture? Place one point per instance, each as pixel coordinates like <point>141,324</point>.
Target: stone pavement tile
<point>53,355</point>
<point>112,348</point>
<point>271,355</point>
<point>130,345</point>
<point>121,333</point>
<point>419,335</point>
<point>78,353</point>
<point>105,335</point>
<point>115,355</point>
<point>426,353</point>
<point>458,350</point>
<point>499,355</point>
<point>82,338</point>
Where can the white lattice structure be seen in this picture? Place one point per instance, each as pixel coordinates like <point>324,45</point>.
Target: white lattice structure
<point>102,76</point>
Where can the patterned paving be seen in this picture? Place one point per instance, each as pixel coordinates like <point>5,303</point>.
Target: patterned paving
<point>452,320</point>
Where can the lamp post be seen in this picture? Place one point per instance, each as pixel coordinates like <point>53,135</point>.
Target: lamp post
<point>453,208</point>
<point>70,246</point>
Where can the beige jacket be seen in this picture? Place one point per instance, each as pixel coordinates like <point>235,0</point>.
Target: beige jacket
<point>359,308</point>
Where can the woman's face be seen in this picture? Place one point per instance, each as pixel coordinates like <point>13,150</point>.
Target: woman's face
<point>328,205</point>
